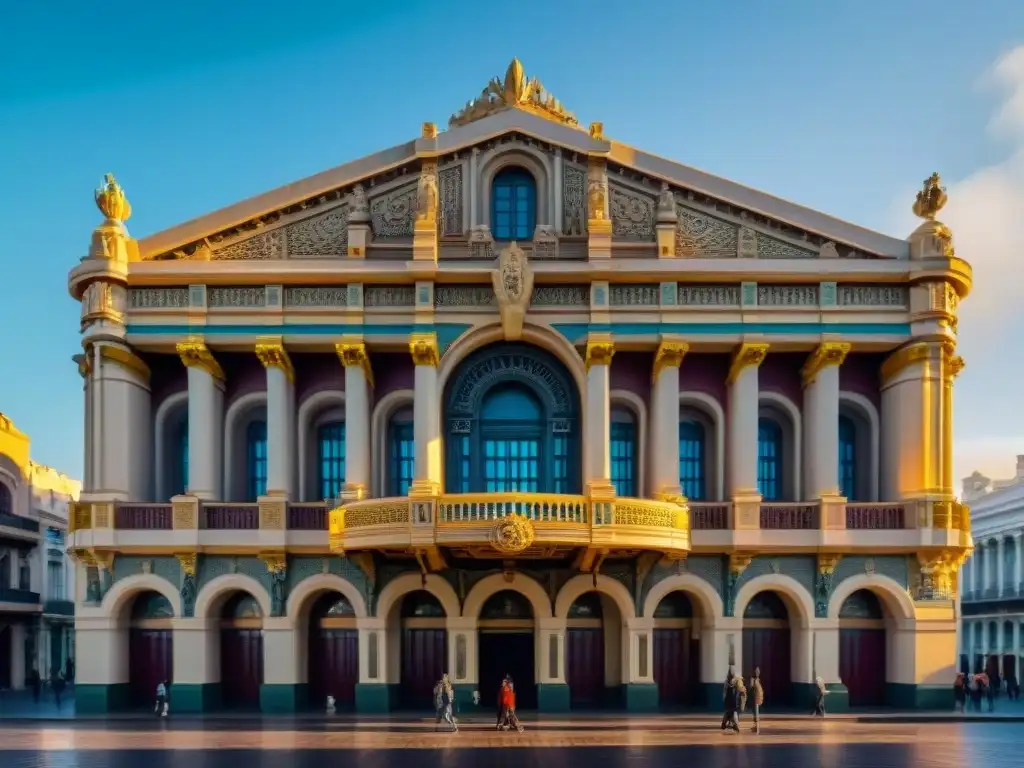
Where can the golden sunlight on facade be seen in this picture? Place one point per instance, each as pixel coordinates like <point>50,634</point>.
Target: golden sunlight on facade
<point>516,398</point>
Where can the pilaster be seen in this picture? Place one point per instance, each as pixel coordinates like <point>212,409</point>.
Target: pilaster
<point>358,380</point>
<point>426,416</point>
<point>820,375</point>
<point>205,419</point>
<point>665,419</point>
<point>280,415</point>
<point>600,350</point>
<point>742,421</point>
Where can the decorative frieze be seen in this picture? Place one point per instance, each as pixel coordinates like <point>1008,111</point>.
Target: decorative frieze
<point>320,236</point>
<point>450,180</point>
<point>316,296</point>
<point>632,214</point>
<point>709,295</point>
<point>633,295</point>
<point>389,296</point>
<point>236,296</point>
<point>873,296</point>
<point>463,296</point>
<point>560,296</point>
<point>701,236</point>
<point>393,213</point>
<point>158,298</point>
<point>770,248</point>
<point>574,200</point>
<point>268,245</point>
<point>787,295</point>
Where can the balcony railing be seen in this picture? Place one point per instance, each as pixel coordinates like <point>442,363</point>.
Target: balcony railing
<point>874,517</point>
<point>538,507</point>
<point>709,516</point>
<point>142,517</point>
<point>19,522</point>
<point>790,517</point>
<point>22,596</point>
<point>230,517</point>
<point>307,517</point>
<point>59,607</point>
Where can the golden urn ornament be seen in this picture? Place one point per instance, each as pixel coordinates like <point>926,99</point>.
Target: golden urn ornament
<point>931,199</point>
<point>111,200</point>
<point>512,534</point>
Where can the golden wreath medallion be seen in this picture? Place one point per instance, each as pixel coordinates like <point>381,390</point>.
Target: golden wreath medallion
<point>512,534</point>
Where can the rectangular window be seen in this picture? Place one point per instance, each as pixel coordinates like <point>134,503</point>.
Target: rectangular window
<point>623,454</point>
<point>768,480</point>
<point>560,463</point>
<point>55,580</point>
<point>256,460</point>
<point>331,439</point>
<point>464,451</point>
<point>402,465</point>
<point>691,460</point>
<point>511,465</point>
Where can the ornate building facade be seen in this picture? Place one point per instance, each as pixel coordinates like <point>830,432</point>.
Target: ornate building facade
<point>516,398</point>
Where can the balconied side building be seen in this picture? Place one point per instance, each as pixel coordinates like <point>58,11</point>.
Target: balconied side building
<point>515,397</point>
<point>992,599</point>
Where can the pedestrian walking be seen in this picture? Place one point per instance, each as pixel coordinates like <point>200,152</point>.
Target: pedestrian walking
<point>161,700</point>
<point>819,702</point>
<point>730,701</point>
<point>959,693</point>
<point>58,688</point>
<point>757,696</point>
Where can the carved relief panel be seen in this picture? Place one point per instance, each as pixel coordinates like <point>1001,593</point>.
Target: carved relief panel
<point>699,235</point>
<point>321,236</point>
<point>450,182</point>
<point>632,214</point>
<point>574,199</point>
<point>268,245</point>
<point>392,213</point>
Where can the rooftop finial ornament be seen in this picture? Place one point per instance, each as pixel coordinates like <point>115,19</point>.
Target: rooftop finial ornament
<point>516,90</point>
<point>931,198</point>
<point>111,200</point>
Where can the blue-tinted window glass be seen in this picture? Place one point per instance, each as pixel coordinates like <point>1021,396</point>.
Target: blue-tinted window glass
<point>692,460</point>
<point>623,455</point>
<point>847,458</point>
<point>769,460</point>
<point>331,445</point>
<point>513,205</point>
<point>401,452</point>
<point>181,475</point>
<point>256,460</point>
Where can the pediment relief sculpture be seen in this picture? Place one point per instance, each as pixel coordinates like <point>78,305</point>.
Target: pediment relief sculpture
<point>513,286</point>
<point>515,91</point>
<point>633,214</point>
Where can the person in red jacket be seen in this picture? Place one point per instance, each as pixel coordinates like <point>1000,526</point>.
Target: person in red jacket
<point>507,718</point>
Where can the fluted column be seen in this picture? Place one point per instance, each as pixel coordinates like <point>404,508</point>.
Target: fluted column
<point>1000,565</point>
<point>205,419</point>
<point>743,392</point>
<point>280,415</point>
<point>820,376</point>
<point>664,447</point>
<point>599,436</point>
<point>358,381</point>
<point>426,416</point>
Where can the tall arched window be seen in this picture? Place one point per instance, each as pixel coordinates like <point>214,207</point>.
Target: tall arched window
<point>513,205</point>
<point>330,441</point>
<point>624,452</point>
<point>769,459</point>
<point>848,458</point>
<point>255,460</point>
<point>401,453</point>
<point>179,472</point>
<point>692,460</point>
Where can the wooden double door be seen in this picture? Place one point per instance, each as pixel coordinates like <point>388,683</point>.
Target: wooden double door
<point>333,665</point>
<point>424,661</point>
<point>150,662</point>
<point>676,666</point>
<point>241,666</point>
<point>862,665</point>
<point>769,649</point>
<point>584,666</point>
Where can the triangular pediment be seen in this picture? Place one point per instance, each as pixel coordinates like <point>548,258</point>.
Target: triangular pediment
<point>309,218</point>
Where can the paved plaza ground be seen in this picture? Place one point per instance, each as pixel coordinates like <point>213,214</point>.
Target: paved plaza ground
<point>660,742</point>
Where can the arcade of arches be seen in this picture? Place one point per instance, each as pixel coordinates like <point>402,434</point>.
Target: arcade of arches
<point>589,648</point>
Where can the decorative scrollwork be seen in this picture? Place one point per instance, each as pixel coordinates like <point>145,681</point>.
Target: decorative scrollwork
<point>512,534</point>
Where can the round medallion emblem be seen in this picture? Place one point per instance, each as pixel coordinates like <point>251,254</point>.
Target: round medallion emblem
<point>512,534</point>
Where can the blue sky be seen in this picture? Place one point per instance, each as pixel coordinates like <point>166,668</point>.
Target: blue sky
<point>842,106</point>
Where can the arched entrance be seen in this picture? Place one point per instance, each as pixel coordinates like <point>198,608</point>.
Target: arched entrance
<point>424,650</point>
<point>677,651</point>
<point>506,647</point>
<point>862,644</point>
<point>593,639</point>
<point>241,651</point>
<point>512,414</point>
<point>767,645</point>
<point>150,647</point>
<point>333,658</point>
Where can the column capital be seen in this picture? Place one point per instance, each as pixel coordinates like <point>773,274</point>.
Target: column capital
<point>669,354</point>
<point>600,350</point>
<point>942,352</point>
<point>827,353</point>
<point>748,354</point>
<point>271,352</point>
<point>195,354</point>
<point>124,357</point>
<point>353,354</point>
<point>423,348</point>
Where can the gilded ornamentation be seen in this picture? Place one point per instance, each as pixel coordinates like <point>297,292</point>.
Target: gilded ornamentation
<point>915,353</point>
<point>355,354</point>
<point>236,297</point>
<point>513,285</point>
<point>823,583</point>
<point>938,574</point>
<point>187,561</point>
<point>426,194</point>
<point>632,214</point>
<point>392,214</point>
<point>700,235</point>
<point>194,352</point>
<point>738,562</point>
<point>597,131</point>
<point>272,354</point>
<point>512,534</point>
<point>931,199</point>
<point>158,298</point>
<point>365,514</point>
<point>277,567</point>
<point>597,192</point>
<point>323,235</point>
<point>516,91</point>
<point>316,296</point>
<point>450,180</point>
<point>599,352</point>
<point>261,247</point>
<point>787,295</point>
<point>644,514</point>
<point>103,301</point>
<point>956,366</point>
<point>826,354</point>
<point>429,131</point>
<point>747,355</point>
<point>125,358</point>
<point>670,354</point>
<point>423,348</point>
<point>112,202</point>
<point>574,186</point>
<point>708,295</point>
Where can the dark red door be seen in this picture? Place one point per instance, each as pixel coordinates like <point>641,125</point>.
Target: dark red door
<point>150,662</point>
<point>334,666</point>
<point>241,666</point>
<point>862,665</point>
<point>769,649</point>
<point>424,660</point>
<point>584,665</point>
<point>672,666</point>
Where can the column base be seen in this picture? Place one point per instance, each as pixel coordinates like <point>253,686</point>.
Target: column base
<point>553,697</point>
<point>282,698</point>
<point>101,698</point>
<point>640,697</point>
<point>195,698</point>
<point>374,698</point>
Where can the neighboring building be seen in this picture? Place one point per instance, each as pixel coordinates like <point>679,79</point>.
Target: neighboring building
<point>992,629</point>
<point>508,350</point>
<point>36,576</point>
